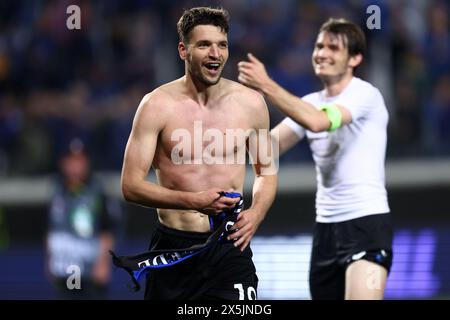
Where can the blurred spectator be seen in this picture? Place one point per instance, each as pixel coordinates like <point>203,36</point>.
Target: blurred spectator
<point>10,128</point>
<point>56,82</point>
<point>4,234</point>
<point>83,223</point>
<point>436,44</point>
<point>31,154</point>
<point>406,130</point>
<point>437,115</point>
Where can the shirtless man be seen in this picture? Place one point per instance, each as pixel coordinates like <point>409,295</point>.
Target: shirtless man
<point>170,123</point>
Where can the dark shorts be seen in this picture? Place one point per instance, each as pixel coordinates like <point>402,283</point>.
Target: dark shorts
<point>221,272</point>
<point>337,245</point>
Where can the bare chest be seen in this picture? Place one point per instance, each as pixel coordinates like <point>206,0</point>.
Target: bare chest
<point>206,136</point>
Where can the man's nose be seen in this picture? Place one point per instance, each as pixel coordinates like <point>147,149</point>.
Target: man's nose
<point>214,51</point>
<point>322,52</point>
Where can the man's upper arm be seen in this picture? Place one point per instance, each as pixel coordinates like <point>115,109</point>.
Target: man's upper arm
<point>358,104</point>
<point>329,117</point>
<point>346,115</point>
<point>147,124</point>
<point>262,150</point>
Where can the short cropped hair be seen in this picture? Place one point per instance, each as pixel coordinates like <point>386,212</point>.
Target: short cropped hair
<point>353,36</point>
<point>202,16</point>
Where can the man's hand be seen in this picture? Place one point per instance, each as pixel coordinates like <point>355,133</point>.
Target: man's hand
<point>211,201</point>
<point>252,73</point>
<point>246,225</point>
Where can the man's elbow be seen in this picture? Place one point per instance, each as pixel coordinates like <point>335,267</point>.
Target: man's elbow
<point>127,191</point>
<point>317,126</point>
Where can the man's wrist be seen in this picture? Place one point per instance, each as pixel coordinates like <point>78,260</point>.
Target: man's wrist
<point>268,87</point>
<point>187,200</point>
<point>259,212</point>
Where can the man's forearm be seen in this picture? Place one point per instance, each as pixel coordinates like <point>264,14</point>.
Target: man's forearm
<point>297,109</point>
<point>106,244</point>
<point>264,190</point>
<point>151,195</point>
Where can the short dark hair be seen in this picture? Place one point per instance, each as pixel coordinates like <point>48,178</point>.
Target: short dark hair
<point>354,38</point>
<point>202,16</point>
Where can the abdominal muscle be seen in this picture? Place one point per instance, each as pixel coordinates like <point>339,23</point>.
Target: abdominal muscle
<point>186,220</point>
<point>197,178</point>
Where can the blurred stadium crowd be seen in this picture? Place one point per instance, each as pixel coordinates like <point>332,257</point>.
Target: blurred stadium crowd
<point>57,83</point>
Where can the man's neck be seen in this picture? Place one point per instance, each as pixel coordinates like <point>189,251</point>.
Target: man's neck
<point>334,86</point>
<point>200,92</point>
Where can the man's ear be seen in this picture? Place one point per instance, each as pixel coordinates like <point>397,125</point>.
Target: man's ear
<point>182,50</point>
<point>355,60</point>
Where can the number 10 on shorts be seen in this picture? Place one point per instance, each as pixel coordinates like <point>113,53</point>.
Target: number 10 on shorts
<point>251,292</point>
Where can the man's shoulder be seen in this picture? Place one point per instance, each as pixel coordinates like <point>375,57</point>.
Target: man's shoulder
<point>362,99</point>
<point>366,93</point>
<point>167,92</point>
<point>243,93</point>
<point>162,97</point>
<point>362,86</point>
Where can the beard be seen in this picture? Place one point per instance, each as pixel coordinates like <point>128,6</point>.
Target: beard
<point>333,76</point>
<point>334,72</point>
<point>198,75</point>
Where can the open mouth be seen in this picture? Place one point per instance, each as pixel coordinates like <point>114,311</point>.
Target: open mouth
<point>213,67</point>
<point>323,64</point>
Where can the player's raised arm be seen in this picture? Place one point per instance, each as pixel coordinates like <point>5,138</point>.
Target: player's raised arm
<point>253,74</point>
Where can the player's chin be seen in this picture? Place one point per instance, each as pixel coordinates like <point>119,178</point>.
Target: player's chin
<point>212,80</point>
<point>324,75</point>
<point>213,77</point>
<point>320,72</point>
